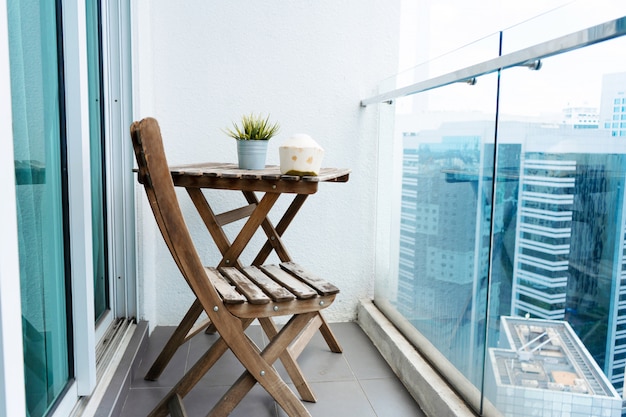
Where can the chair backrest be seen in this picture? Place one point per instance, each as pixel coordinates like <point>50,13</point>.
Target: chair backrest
<point>155,176</point>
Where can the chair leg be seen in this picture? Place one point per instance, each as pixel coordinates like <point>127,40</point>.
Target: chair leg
<point>290,364</point>
<point>177,339</point>
<point>329,336</point>
<point>176,408</point>
<point>195,374</point>
<point>270,380</point>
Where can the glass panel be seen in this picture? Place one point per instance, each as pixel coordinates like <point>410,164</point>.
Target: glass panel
<point>556,329</point>
<point>39,156</point>
<point>438,216</point>
<point>569,17</point>
<point>101,282</point>
<point>532,287</point>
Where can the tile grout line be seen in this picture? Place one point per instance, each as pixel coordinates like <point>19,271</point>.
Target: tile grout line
<point>358,381</point>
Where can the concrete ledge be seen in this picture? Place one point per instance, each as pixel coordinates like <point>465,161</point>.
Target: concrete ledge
<point>426,386</point>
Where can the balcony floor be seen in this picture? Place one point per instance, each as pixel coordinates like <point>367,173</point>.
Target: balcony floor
<point>356,383</point>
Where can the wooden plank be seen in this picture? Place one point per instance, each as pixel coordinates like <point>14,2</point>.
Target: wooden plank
<point>322,286</point>
<point>234,215</point>
<point>269,175</point>
<point>240,184</point>
<point>254,294</point>
<point>227,292</point>
<point>270,172</point>
<point>299,288</point>
<point>286,308</point>
<point>276,292</point>
<point>329,174</point>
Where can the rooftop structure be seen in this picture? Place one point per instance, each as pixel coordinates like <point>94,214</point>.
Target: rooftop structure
<point>542,364</point>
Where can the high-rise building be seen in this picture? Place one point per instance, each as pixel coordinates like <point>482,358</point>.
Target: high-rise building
<point>559,232</point>
<point>581,117</point>
<point>569,262</point>
<point>613,104</point>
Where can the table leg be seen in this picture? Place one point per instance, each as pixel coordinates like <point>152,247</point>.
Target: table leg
<point>281,227</point>
<point>258,216</point>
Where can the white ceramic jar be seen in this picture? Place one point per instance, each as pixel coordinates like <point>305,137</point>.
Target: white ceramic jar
<point>300,155</point>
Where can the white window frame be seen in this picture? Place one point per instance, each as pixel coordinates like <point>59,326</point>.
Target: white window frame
<point>12,399</point>
<point>79,192</point>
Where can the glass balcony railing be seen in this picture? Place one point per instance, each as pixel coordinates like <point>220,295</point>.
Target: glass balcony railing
<point>502,225</point>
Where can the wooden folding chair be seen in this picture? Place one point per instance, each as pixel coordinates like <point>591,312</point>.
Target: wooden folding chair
<point>232,299</point>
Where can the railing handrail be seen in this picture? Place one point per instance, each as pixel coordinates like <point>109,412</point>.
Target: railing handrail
<point>585,37</point>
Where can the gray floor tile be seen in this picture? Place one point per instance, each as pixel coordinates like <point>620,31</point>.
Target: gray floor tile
<point>174,370</point>
<point>363,357</point>
<point>390,399</point>
<point>339,399</point>
<point>257,402</point>
<point>319,365</point>
<point>355,383</point>
<point>140,401</point>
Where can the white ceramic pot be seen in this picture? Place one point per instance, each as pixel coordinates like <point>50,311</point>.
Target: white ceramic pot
<point>300,155</point>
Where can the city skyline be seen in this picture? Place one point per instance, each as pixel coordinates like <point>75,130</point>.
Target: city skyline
<point>558,233</point>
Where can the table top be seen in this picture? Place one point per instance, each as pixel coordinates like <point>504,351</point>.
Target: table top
<point>228,176</point>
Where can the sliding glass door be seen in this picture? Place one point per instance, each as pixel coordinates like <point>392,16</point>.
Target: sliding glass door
<point>73,193</point>
<point>41,195</point>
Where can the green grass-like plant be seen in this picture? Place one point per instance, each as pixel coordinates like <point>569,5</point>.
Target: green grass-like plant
<point>253,127</point>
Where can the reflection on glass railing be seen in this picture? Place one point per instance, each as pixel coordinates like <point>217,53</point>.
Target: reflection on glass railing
<point>562,19</point>
<point>511,231</point>
<point>539,365</point>
<point>469,54</point>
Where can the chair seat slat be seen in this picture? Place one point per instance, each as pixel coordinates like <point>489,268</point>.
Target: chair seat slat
<point>299,288</point>
<point>276,291</point>
<point>228,293</point>
<point>254,294</point>
<point>322,286</point>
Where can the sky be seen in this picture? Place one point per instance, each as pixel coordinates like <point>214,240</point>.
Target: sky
<point>452,34</point>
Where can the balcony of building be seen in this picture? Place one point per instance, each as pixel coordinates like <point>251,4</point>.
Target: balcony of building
<point>499,173</point>
<point>480,243</point>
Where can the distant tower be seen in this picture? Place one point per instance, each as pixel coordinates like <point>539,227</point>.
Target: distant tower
<point>581,117</point>
<point>613,104</point>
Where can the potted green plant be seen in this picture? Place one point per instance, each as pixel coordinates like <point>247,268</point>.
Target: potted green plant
<point>252,135</point>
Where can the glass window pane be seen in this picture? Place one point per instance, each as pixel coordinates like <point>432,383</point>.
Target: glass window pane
<point>101,287</point>
<point>40,199</point>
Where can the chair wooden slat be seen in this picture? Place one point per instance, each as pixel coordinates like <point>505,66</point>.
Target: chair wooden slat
<point>276,291</point>
<point>322,286</point>
<point>228,292</point>
<point>299,288</point>
<point>254,294</point>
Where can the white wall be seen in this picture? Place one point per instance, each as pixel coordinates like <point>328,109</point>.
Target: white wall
<point>201,64</point>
